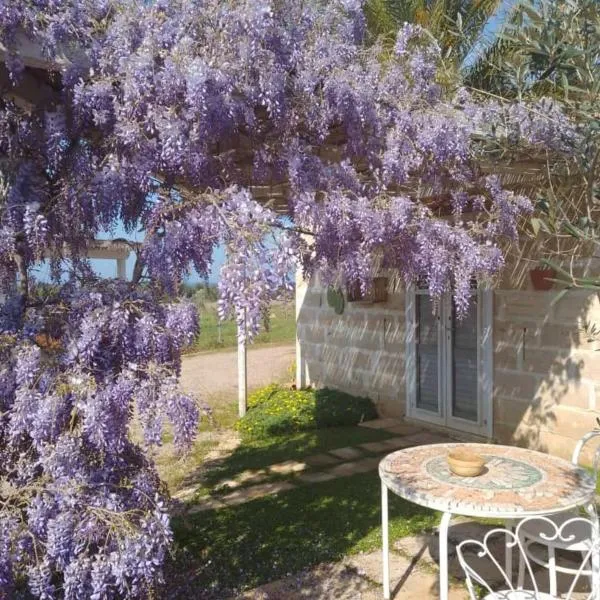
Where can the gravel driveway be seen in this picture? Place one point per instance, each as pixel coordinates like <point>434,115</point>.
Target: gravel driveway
<point>212,373</point>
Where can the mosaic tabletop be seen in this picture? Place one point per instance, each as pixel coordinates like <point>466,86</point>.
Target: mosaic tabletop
<point>515,481</point>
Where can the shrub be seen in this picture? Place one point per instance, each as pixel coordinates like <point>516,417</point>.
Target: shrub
<point>274,410</point>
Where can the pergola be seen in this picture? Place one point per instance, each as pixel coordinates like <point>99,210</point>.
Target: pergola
<point>116,249</point>
<point>39,88</point>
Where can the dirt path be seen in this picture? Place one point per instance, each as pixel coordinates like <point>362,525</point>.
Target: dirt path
<point>213,373</point>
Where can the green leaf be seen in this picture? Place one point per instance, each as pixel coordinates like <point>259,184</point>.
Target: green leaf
<point>559,296</point>
<point>572,230</point>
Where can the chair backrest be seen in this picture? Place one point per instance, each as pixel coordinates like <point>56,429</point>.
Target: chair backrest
<point>580,446</point>
<point>477,556</point>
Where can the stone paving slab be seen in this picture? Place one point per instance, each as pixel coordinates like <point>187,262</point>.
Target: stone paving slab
<point>265,489</point>
<point>345,470</point>
<point>348,453</point>
<point>315,477</point>
<point>368,464</point>
<point>186,493</point>
<point>256,491</point>
<point>352,468</point>
<point>381,423</point>
<point>287,467</point>
<point>412,578</point>
<point>396,443</point>
<point>320,460</point>
<point>329,581</point>
<point>426,437</point>
<point>375,447</point>
<point>254,475</point>
<point>228,484</point>
<point>209,504</point>
<point>237,497</point>
<point>404,429</point>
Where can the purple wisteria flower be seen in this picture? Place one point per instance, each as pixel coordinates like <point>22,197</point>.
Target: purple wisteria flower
<point>175,118</point>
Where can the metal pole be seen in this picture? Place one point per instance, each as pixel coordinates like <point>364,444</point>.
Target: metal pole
<point>443,533</point>
<point>242,369</point>
<point>386,547</point>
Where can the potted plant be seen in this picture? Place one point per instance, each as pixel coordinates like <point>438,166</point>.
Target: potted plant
<point>542,277</point>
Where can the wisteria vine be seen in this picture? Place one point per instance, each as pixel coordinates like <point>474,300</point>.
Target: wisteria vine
<point>176,117</point>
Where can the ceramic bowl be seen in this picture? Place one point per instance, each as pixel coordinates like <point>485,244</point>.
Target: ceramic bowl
<point>465,462</point>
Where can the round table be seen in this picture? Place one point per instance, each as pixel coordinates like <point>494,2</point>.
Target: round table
<point>516,483</point>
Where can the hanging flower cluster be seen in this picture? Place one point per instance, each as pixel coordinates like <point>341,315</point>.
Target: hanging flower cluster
<point>171,116</point>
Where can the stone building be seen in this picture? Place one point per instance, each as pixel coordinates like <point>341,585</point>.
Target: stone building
<point>520,369</point>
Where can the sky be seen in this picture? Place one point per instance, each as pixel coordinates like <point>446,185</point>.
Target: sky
<point>491,29</point>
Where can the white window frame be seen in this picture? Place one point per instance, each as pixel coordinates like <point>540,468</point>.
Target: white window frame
<point>485,406</point>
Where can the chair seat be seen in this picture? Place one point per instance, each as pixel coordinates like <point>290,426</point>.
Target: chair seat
<point>578,534</point>
<point>519,595</point>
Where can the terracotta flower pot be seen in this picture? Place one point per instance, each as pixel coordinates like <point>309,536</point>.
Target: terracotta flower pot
<point>541,278</point>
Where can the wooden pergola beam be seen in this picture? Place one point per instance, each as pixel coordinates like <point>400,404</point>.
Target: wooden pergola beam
<point>33,55</point>
<point>30,92</point>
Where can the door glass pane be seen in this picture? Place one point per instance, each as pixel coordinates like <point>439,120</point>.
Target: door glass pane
<point>464,364</point>
<point>427,355</point>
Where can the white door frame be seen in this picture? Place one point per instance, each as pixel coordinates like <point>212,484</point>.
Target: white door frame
<point>484,424</point>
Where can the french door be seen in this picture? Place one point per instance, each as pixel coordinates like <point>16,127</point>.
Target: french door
<point>449,362</point>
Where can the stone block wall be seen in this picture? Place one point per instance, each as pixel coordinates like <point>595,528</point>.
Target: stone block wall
<point>360,351</point>
<point>546,369</point>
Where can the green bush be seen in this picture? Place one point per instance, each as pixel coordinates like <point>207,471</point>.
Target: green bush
<point>274,410</point>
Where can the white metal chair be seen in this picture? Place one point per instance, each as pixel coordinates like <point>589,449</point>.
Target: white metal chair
<point>541,549</point>
<point>476,557</point>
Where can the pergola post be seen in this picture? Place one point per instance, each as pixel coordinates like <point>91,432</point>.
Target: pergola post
<point>242,369</point>
<point>302,379</point>
<point>121,268</point>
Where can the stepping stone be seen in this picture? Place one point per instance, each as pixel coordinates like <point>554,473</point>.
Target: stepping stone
<point>395,443</point>
<point>252,475</point>
<point>426,437</point>
<point>352,468</point>
<point>289,466</point>
<point>367,464</point>
<point>233,500</point>
<point>381,423</point>
<point>256,491</point>
<point>375,447</point>
<point>404,429</point>
<point>347,453</point>
<point>210,504</point>
<point>265,489</point>
<point>185,493</point>
<point>317,477</point>
<point>344,470</point>
<point>320,460</point>
<point>227,484</point>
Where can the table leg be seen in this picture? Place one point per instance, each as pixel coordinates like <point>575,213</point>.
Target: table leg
<point>443,534</point>
<point>590,509</point>
<point>384,535</point>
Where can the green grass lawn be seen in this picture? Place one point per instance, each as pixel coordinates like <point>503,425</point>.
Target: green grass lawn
<point>282,329</point>
<point>219,552</point>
